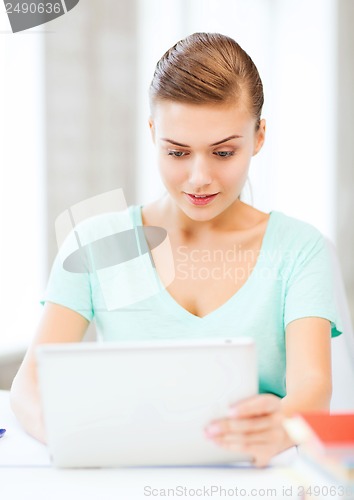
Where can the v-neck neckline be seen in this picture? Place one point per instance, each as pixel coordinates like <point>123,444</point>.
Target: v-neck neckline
<point>176,307</point>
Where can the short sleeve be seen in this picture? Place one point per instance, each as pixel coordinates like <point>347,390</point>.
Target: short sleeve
<point>310,289</point>
<point>74,279</point>
<point>69,289</point>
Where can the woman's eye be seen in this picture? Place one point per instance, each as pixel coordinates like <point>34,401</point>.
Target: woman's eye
<point>177,154</point>
<point>224,154</point>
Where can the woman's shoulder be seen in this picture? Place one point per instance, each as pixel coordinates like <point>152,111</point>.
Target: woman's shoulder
<point>96,227</point>
<point>293,237</point>
<point>107,222</point>
<point>291,228</point>
<point>291,243</point>
<point>281,229</point>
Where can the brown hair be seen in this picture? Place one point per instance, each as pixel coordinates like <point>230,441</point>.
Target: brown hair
<point>207,68</point>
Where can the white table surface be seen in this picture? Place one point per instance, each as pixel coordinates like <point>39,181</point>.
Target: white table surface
<point>26,474</point>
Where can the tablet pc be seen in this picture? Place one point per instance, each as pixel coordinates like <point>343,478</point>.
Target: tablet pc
<point>143,403</point>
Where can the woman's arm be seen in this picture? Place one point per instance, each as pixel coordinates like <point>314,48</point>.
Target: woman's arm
<point>58,324</point>
<point>308,366</point>
<point>255,425</point>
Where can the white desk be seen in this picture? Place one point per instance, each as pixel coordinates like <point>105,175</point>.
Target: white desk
<point>26,473</point>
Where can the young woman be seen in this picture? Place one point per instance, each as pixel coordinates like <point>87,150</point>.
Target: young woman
<point>238,271</point>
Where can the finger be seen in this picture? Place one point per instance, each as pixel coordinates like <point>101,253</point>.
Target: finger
<point>260,454</point>
<point>245,425</point>
<point>262,404</point>
<point>240,426</point>
<point>261,438</point>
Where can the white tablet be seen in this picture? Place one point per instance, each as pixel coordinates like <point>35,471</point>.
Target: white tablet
<point>138,404</point>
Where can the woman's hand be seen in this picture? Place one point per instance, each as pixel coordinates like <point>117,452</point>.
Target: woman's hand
<point>254,427</point>
<point>58,324</point>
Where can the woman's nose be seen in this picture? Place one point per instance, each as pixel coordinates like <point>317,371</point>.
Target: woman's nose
<point>200,174</point>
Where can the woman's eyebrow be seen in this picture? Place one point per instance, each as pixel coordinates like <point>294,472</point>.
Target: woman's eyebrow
<point>214,144</point>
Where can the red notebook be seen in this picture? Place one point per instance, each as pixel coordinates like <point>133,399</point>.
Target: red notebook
<point>333,430</point>
<point>327,440</point>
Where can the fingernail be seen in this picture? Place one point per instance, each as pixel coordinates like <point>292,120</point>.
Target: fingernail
<point>213,430</point>
<point>233,412</point>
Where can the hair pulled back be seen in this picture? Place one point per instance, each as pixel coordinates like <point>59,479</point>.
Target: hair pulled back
<point>206,68</point>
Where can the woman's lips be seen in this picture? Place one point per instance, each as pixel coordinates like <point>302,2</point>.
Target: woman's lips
<point>200,199</point>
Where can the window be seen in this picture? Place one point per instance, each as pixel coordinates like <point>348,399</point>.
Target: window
<point>22,213</point>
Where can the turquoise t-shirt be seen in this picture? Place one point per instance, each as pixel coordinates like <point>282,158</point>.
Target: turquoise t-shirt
<point>292,279</point>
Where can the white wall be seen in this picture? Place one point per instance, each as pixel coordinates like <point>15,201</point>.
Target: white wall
<point>303,111</point>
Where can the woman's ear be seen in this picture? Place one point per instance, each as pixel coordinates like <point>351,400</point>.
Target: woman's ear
<point>152,129</point>
<point>259,137</point>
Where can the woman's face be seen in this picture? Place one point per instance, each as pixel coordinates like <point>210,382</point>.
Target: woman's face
<point>204,153</point>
